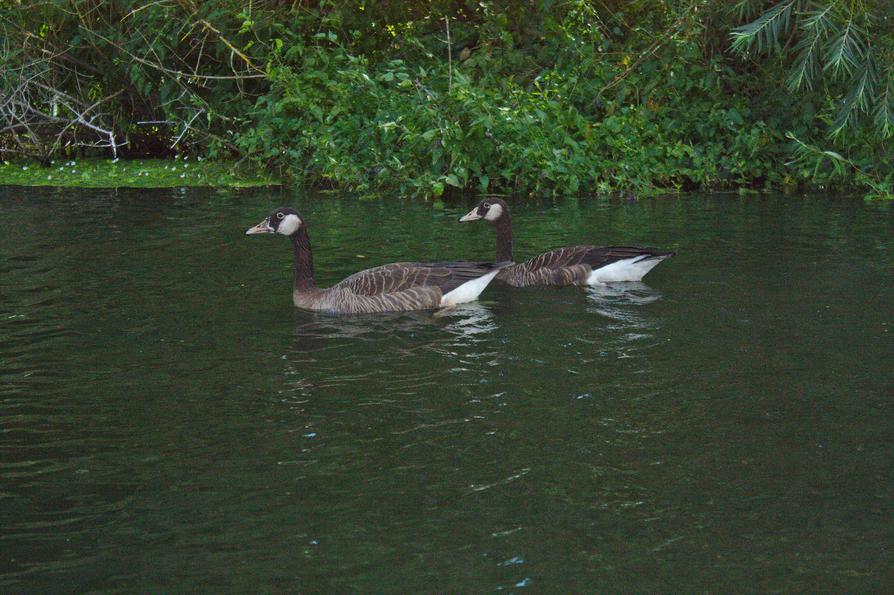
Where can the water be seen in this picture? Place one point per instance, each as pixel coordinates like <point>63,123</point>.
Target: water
<point>169,421</point>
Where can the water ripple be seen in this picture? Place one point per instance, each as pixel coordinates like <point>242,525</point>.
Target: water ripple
<point>169,421</point>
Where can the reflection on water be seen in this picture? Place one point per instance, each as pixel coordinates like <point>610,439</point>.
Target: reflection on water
<point>389,357</point>
<point>463,321</point>
<point>466,322</point>
<point>169,421</point>
<point>622,303</point>
<point>635,293</point>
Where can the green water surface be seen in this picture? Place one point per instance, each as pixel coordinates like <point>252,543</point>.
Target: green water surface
<point>168,421</point>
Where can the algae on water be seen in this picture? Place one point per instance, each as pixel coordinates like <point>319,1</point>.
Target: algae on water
<point>136,173</point>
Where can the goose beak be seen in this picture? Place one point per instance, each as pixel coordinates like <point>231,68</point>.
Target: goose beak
<point>470,216</point>
<point>262,227</point>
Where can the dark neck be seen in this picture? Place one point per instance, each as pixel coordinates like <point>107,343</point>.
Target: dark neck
<point>504,237</point>
<point>304,260</point>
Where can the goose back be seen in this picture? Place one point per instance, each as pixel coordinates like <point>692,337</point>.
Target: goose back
<point>395,287</point>
<point>343,300</point>
<point>572,265</point>
<point>398,276</point>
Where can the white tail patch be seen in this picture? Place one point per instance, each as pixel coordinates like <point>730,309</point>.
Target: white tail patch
<point>468,291</point>
<point>630,269</point>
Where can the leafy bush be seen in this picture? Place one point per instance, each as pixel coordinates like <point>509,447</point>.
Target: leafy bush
<point>495,96</point>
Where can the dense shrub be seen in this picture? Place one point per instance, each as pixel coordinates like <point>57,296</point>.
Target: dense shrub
<point>545,97</point>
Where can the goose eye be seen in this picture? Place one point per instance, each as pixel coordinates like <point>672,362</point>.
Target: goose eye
<point>279,215</point>
<point>486,205</point>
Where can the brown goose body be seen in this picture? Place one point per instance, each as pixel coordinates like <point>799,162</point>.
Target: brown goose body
<point>571,265</point>
<point>395,287</point>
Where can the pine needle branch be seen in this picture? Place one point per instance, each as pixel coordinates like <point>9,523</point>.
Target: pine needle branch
<point>764,32</point>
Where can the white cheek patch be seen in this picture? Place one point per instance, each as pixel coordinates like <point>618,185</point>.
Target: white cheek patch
<point>289,225</point>
<point>494,213</point>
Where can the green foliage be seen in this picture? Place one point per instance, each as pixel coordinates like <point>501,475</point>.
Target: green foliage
<point>133,173</point>
<point>540,98</point>
<point>843,42</point>
<point>837,55</point>
<point>764,33</point>
<point>333,118</point>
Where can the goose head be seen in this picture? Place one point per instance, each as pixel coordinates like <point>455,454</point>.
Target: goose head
<point>489,209</point>
<point>284,220</point>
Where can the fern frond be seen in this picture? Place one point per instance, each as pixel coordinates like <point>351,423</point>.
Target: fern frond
<point>883,114</point>
<point>819,18</point>
<point>859,97</point>
<point>815,28</point>
<point>847,50</point>
<point>746,9</point>
<point>764,32</point>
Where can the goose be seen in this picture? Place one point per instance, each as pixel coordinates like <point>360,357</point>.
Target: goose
<point>572,265</point>
<point>396,287</point>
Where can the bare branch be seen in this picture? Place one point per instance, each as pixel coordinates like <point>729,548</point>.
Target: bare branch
<point>176,73</point>
<point>187,126</point>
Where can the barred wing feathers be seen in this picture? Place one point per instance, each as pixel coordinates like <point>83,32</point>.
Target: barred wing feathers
<point>401,276</point>
<point>575,265</point>
<point>595,256</point>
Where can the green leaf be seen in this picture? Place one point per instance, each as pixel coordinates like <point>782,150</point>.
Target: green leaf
<point>484,182</point>
<point>834,155</point>
<point>453,180</point>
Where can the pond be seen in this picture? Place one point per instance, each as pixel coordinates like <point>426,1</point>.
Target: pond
<point>170,421</point>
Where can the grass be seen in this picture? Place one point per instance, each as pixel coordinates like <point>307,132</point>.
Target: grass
<point>136,173</point>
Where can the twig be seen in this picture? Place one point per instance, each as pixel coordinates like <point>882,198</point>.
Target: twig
<point>642,57</point>
<point>177,73</point>
<point>226,42</point>
<point>80,119</point>
<point>449,58</point>
<point>186,128</point>
<point>136,10</point>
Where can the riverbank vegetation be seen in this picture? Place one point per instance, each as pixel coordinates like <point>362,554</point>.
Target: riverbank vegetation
<point>93,172</point>
<point>575,96</point>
